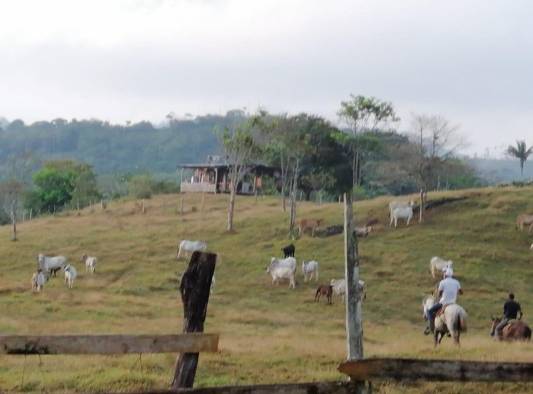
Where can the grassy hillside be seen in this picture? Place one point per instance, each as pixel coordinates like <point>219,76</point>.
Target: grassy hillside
<point>268,334</point>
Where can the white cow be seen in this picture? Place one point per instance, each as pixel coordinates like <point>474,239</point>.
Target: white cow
<point>90,263</point>
<point>70,275</point>
<point>531,247</point>
<point>310,269</point>
<point>436,264</point>
<point>401,213</point>
<point>399,204</point>
<point>339,288</point>
<point>37,281</point>
<point>190,247</point>
<point>47,263</point>
<point>282,269</point>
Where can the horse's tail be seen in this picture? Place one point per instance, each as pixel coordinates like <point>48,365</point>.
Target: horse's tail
<point>527,333</point>
<point>459,325</point>
<point>462,322</point>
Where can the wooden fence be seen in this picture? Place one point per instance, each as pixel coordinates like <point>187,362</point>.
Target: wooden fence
<point>194,288</point>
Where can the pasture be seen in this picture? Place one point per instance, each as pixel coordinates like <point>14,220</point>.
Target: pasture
<point>268,334</point>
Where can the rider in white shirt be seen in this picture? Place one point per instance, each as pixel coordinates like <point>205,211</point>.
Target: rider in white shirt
<point>448,290</point>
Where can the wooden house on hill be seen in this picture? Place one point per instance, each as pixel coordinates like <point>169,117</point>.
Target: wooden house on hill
<point>213,177</point>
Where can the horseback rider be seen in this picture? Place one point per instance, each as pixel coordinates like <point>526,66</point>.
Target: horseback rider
<point>511,309</point>
<point>448,290</point>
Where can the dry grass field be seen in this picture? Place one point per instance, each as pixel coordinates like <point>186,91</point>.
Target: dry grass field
<point>268,333</point>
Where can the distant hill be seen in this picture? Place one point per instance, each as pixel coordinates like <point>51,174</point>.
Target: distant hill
<point>501,170</point>
<point>118,148</point>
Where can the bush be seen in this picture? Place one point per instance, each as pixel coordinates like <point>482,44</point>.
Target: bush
<point>140,186</point>
<point>4,218</point>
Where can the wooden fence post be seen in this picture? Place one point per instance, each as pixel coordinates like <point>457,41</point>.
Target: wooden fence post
<point>354,319</point>
<point>181,206</point>
<point>194,288</point>
<point>31,213</point>
<point>421,210</point>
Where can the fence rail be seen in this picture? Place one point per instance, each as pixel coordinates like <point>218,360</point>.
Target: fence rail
<point>437,370</point>
<point>107,344</point>
<point>292,388</point>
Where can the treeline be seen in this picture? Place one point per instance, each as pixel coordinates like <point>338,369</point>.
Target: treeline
<point>113,148</point>
<point>49,166</point>
<point>364,159</point>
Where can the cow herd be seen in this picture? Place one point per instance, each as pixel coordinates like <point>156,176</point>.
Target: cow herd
<point>284,268</point>
<point>48,266</point>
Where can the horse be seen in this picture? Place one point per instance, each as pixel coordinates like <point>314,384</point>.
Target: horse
<point>452,320</point>
<point>515,330</point>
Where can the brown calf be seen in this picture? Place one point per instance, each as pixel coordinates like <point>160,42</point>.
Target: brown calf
<point>326,290</point>
<point>308,224</point>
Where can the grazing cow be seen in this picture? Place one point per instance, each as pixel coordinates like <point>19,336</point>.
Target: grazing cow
<point>515,330</point>
<point>90,263</point>
<point>531,247</point>
<point>363,231</point>
<point>401,213</point>
<point>310,269</point>
<point>339,288</point>
<point>190,247</point>
<point>50,265</point>
<point>282,269</point>
<point>436,264</point>
<point>70,275</point>
<point>326,290</point>
<point>399,204</point>
<point>524,220</point>
<point>38,280</point>
<point>288,251</point>
<point>308,224</point>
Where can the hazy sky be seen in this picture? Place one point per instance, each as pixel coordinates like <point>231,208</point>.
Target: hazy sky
<point>469,61</point>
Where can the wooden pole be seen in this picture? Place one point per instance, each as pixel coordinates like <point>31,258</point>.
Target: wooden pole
<point>143,208</point>
<point>31,213</point>
<point>181,205</point>
<point>14,222</point>
<point>421,210</point>
<point>194,288</point>
<point>354,318</point>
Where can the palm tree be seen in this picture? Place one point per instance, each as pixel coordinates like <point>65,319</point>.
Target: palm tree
<point>521,152</point>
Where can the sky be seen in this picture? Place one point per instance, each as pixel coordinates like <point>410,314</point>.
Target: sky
<point>470,61</point>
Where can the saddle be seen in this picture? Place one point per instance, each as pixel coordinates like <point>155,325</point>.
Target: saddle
<point>440,312</point>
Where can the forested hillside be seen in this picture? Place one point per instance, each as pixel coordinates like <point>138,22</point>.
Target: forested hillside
<point>112,148</point>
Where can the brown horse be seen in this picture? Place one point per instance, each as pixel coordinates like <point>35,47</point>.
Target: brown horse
<point>515,330</point>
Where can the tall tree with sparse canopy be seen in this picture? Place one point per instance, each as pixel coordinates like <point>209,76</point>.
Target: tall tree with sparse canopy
<point>521,152</point>
<point>240,147</point>
<point>363,114</point>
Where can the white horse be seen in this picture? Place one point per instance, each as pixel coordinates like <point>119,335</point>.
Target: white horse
<point>452,321</point>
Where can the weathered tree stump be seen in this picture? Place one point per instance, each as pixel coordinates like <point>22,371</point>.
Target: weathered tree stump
<point>194,288</point>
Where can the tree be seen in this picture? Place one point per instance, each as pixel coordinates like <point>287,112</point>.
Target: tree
<point>363,114</point>
<point>10,196</point>
<point>240,147</point>
<point>521,152</point>
<point>436,143</point>
<point>59,181</point>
